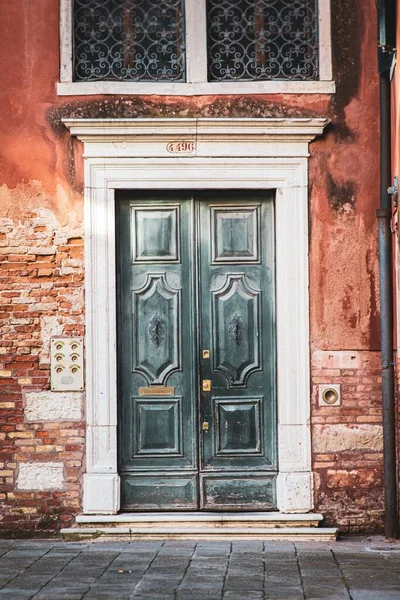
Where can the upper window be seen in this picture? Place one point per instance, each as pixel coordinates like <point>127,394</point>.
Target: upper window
<point>195,46</point>
<point>136,40</point>
<point>262,39</point>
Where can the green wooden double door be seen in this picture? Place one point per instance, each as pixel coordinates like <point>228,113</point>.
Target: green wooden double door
<point>196,347</point>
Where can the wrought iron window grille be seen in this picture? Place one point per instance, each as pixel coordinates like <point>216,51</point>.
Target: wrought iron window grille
<point>262,39</point>
<point>135,40</point>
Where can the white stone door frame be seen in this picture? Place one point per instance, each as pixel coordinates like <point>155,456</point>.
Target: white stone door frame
<point>218,154</point>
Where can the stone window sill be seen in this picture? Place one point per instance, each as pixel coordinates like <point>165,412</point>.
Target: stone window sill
<point>195,89</point>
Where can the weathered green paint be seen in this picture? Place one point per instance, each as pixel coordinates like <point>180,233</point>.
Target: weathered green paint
<point>157,435</point>
<point>236,294</point>
<point>196,273</point>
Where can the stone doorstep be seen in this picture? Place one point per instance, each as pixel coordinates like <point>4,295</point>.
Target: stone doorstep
<point>207,526</point>
<point>312,534</point>
<point>202,519</point>
<point>201,523</point>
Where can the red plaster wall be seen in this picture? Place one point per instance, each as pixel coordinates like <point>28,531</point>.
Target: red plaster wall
<point>41,178</point>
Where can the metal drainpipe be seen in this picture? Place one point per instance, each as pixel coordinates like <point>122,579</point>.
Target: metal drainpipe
<point>385,29</point>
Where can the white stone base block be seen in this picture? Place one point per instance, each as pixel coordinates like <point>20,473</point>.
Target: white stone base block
<point>295,492</point>
<point>101,493</point>
<point>40,476</point>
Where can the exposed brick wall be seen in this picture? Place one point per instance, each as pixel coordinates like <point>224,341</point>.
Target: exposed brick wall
<point>41,294</point>
<point>347,441</point>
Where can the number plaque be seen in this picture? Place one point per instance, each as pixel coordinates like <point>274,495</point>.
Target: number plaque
<point>181,147</point>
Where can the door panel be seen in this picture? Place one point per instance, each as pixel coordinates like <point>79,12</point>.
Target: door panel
<point>157,310</point>
<point>160,491</point>
<point>235,234</point>
<point>196,305</point>
<point>158,427</point>
<point>235,319</point>
<point>238,427</point>
<point>157,419</point>
<point>237,326</point>
<point>236,491</point>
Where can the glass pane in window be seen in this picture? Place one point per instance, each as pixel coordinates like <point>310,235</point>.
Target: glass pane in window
<point>262,39</point>
<point>135,40</point>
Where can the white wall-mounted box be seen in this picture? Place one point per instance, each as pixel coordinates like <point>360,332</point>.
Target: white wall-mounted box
<point>66,364</point>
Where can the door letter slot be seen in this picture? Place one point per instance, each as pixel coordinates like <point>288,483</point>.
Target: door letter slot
<point>157,390</point>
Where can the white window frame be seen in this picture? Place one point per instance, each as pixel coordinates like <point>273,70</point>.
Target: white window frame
<point>196,64</point>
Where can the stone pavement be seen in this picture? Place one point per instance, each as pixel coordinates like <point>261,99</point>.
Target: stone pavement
<point>355,569</point>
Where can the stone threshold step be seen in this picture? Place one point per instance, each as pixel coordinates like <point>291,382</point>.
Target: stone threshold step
<point>321,534</point>
<point>187,519</point>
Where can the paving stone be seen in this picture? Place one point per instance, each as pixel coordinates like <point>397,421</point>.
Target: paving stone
<point>174,570</point>
<point>112,594</point>
<point>198,594</point>
<point>243,595</point>
<point>372,595</point>
<point>58,594</point>
<point>16,595</point>
<point>27,583</point>
<point>273,581</point>
<point>318,570</point>
<point>244,583</point>
<point>325,592</point>
<point>286,593</point>
<point>152,596</point>
<point>333,596</point>
<point>287,547</point>
<point>215,580</point>
<point>153,587</point>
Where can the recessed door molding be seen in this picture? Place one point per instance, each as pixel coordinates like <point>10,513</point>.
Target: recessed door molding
<point>257,154</point>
